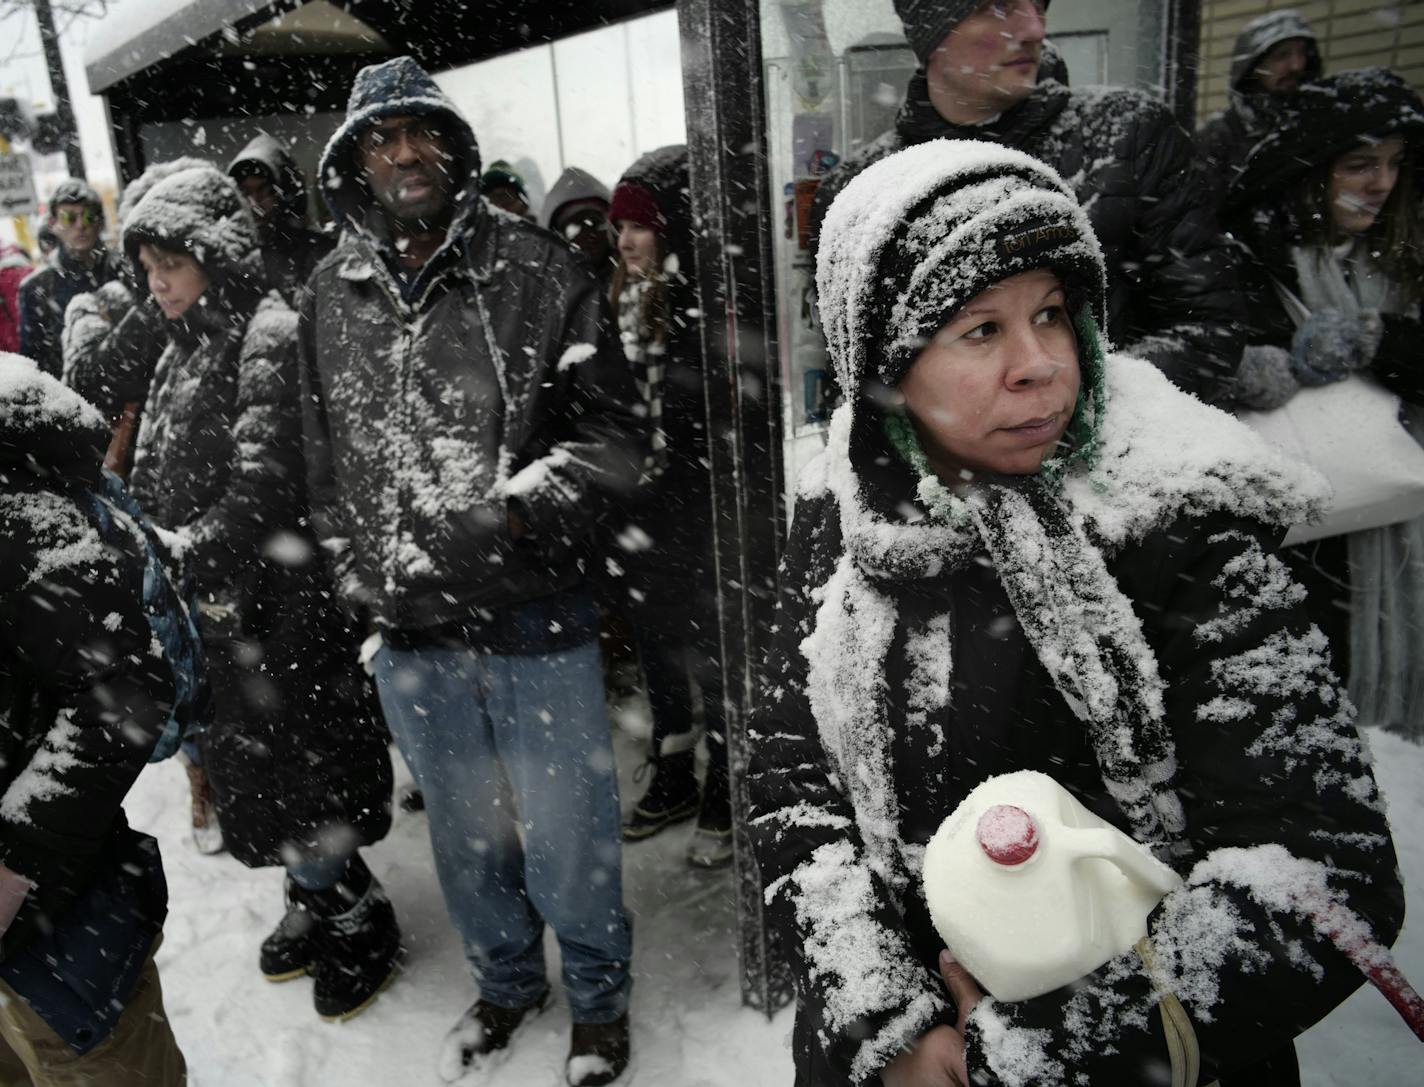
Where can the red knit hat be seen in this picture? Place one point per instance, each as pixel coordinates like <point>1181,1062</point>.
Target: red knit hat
<point>633,202</point>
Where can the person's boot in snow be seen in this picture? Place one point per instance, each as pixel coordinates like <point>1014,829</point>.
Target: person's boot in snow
<point>483,1035</point>
<point>671,798</point>
<point>711,845</point>
<point>292,948</point>
<point>598,1053</point>
<point>359,942</point>
<point>207,832</point>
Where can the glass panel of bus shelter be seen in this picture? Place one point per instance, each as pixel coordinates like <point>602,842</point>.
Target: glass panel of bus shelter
<point>835,75</point>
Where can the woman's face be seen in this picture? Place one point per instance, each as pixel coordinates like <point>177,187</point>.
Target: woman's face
<point>176,280</point>
<point>996,387</point>
<point>638,246</point>
<point>1361,181</point>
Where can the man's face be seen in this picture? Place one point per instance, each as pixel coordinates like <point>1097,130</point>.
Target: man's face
<point>1283,67</point>
<point>508,198</point>
<point>77,228</point>
<point>408,165</point>
<point>587,231</point>
<point>261,195</point>
<point>989,61</point>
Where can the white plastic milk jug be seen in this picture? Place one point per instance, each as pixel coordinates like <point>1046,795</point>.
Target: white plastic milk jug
<point>1031,891</point>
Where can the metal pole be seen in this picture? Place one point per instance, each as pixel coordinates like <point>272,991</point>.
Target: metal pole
<point>726,137</point>
<point>59,87</point>
<point>558,109</point>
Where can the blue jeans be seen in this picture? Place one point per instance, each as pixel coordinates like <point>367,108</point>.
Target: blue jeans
<point>511,747</point>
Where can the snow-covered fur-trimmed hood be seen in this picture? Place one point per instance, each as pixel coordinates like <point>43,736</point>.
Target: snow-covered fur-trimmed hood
<point>46,423</point>
<point>394,88</point>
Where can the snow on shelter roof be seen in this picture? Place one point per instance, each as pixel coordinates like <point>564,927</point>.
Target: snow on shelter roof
<point>140,33</point>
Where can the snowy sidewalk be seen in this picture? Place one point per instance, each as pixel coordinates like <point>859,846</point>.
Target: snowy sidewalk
<point>689,1028</point>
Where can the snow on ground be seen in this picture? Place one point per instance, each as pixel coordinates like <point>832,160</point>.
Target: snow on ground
<point>689,1028</point>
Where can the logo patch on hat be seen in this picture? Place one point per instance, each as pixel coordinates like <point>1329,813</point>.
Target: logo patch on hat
<point>1035,240</point>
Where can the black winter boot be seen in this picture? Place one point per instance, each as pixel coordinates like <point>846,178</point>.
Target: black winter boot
<point>292,949</point>
<point>671,798</point>
<point>598,1053</point>
<point>360,942</point>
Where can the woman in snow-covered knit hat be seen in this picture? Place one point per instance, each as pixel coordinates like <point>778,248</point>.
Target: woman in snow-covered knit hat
<point>1329,209</point>
<point>295,759</point>
<point>667,588</point>
<point>1020,551</point>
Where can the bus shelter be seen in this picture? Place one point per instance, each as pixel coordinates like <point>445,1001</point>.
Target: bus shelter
<point>774,91</point>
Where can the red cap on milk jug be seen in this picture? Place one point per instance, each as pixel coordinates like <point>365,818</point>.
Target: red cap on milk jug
<point>1007,834</point>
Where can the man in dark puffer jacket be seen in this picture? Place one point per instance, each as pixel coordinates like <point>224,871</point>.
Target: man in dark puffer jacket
<point>1273,56</point>
<point>468,422</point>
<point>1171,274</point>
<point>85,691</point>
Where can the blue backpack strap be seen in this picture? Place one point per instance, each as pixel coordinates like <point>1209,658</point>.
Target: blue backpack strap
<point>168,617</point>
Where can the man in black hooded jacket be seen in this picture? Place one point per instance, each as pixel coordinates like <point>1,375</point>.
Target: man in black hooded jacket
<point>1171,273</point>
<point>272,183</point>
<point>1274,54</point>
<point>468,421</point>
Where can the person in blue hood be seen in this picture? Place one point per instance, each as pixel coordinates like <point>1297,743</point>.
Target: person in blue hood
<point>469,421</point>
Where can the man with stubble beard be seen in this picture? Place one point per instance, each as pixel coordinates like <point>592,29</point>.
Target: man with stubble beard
<point>1172,289</point>
<point>468,419</point>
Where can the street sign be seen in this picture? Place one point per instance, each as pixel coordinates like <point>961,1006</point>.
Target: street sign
<point>17,185</point>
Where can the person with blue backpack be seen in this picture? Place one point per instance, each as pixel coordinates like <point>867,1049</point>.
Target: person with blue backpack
<point>101,671</point>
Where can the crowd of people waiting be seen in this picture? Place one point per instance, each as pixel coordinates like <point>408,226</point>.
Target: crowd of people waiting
<point>276,495</point>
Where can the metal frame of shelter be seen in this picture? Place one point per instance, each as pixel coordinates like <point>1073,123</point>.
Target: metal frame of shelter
<point>200,48</point>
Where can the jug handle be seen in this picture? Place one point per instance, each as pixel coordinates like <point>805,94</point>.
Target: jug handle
<point>1107,844</point>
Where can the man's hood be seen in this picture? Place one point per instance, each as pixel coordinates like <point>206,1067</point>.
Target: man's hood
<point>1259,37</point>
<point>395,88</point>
<point>44,421</point>
<point>272,157</point>
<point>575,186</point>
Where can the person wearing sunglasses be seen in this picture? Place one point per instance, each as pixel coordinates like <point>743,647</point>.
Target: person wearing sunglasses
<point>79,264</point>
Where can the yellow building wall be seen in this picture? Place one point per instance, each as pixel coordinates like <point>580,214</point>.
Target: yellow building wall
<point>1352,33</point>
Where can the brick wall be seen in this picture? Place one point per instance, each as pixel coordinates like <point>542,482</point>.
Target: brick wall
<point>1352,33</point>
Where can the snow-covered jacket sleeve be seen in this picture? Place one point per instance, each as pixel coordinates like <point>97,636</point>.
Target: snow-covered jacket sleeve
<point>588,443</point>
<point>85,687</point>
<point>861,990</point>
<point>1286,828</point>
<point>1193,316</point>
<point>264,489</point>
<point>111,345</point>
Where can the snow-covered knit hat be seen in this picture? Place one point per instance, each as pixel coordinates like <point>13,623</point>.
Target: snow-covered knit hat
<point>138,188</point>
<point>928,22</point>
<point>919,234</point>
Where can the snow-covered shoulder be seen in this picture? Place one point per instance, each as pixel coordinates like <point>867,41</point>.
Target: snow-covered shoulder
<point>37,407</point>
<point>1165,454</point>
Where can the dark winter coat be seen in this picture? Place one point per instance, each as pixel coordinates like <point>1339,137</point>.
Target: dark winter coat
<point>1171,273</point>
<point>667,584</point>
<point>1225,139</point>
<point>294,748</point>
<point>1263,209</point>
<point>290,249</point>
<point>1118,621</point>
<point>1195,564</point>
<point>46,294</point>
<point>489,379</point>
<point>84,688</point>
